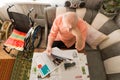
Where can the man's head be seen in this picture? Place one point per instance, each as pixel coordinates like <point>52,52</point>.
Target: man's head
<point>70,20</point>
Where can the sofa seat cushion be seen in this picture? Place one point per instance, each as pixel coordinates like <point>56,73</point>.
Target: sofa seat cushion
<point>110,51</point>
<point>114,37</point>
<point>112,65</point>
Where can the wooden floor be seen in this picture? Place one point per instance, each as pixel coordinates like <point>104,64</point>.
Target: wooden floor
<point>6,64</point>
<point>3,54</point>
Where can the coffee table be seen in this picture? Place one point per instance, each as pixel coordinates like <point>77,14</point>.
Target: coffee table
<point>78,72</point>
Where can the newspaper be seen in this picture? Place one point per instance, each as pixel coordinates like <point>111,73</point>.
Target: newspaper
<point>42,65</point>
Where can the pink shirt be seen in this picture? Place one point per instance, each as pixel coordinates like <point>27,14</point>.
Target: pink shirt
<point>59,33</point>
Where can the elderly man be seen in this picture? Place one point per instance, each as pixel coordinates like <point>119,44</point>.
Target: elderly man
<point>67,31</point>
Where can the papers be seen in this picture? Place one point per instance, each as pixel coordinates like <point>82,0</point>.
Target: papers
<point>65,54</point>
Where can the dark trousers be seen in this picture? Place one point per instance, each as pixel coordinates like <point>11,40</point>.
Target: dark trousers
<point>60,44</point>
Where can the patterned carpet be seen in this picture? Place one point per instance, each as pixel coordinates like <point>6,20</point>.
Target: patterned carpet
<point>22,66</point>
<point>6,66</point>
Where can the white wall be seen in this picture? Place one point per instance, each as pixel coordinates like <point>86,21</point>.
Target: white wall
<point>4,4</point>
<point>54,2</point>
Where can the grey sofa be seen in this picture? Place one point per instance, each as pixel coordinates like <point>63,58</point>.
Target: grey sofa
<point>100,59</point>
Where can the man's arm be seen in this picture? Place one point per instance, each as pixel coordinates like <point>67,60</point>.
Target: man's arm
<point>83,32</point>
<point>52,35</point>
<point>49,46</point>
<point>80,32</point>
<point>79,41</point>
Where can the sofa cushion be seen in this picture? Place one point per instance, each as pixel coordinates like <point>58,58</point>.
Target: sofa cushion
<point>60,10</point>
<point>90,15</point>
<point>110,51</point>
<point>108,27</point>
<point>104,24</point>
<point>117,19</point>
<point>99,20</point>
<point>86,14</point>
<point>112,65</point>
<point>94,37</point>
<point>93,4</point>
<point>81,12</point>
<point>114,37</point>
<point>50,14</point>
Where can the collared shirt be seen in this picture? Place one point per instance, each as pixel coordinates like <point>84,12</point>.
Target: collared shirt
<point>59,33</point>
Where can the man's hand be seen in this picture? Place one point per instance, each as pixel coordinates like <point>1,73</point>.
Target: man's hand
<point>76,32</point>
<point>48,50</point>
<point>78,44</point>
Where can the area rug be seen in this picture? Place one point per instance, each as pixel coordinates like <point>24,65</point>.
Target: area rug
<point>6,66</point>
<point>22,66</point>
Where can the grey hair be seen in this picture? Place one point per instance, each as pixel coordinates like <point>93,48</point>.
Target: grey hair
<point>74,16</point>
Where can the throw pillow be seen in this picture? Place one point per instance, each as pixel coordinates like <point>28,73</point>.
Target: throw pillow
<point>94,37</point>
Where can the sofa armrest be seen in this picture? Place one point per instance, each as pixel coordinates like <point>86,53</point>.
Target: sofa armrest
<point>95,64</point>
